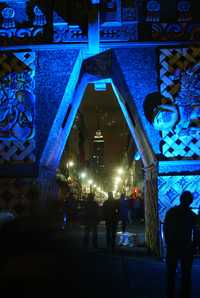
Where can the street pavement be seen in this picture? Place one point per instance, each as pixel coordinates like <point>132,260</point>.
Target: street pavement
<point>53,263</point>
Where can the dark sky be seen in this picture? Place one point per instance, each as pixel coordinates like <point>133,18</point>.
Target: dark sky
<point>102,107</point>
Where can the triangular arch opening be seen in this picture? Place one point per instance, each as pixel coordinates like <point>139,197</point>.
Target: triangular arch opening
<point>104,68</point>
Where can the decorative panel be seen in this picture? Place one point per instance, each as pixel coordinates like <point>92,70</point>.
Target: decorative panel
<point>17,107</point>
<point>110,11</point>
<point>19,195</point>
<point>170,188</point>
<point>153,11</point>
<point>20,23</point>
<point>179,82</point>
<point>184,10</point>
<point>129,12</point>
<point>184,31</point>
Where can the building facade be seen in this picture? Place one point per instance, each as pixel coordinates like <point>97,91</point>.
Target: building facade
<point>98,155</point>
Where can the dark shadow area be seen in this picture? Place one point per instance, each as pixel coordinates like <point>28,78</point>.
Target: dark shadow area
<point>34,261</point>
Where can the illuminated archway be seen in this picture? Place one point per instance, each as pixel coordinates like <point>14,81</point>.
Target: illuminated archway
<point>104,67</point>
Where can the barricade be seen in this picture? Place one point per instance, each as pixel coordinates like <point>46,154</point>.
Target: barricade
<point>127,239</point>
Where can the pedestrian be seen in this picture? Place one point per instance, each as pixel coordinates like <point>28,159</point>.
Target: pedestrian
<point>124,211</point>
<point>91,221</point>
<point>137,209</point>
<point>70,209</point>
<point>179,231</point>
<point>110,210</point>
<point>131,208</point>
<point>141,210</point>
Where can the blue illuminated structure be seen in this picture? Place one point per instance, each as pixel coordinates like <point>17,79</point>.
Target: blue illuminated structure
<point>169,189</point>
<point>154,72</point>
<point>82,75</point>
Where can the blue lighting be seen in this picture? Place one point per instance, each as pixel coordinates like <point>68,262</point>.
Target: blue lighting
<point>58,135</point>
<point>170,189</point>
<point>100,86</point>
<point>179,166</point>
<point>137,156</point>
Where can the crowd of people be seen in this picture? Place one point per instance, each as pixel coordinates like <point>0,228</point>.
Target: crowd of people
<point>88,212</point>
<point>181,228</point>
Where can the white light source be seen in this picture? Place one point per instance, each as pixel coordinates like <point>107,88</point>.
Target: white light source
<point>83,175</point>
<point>70,163</point>
<point>118,179</point>
<point>120,171</point>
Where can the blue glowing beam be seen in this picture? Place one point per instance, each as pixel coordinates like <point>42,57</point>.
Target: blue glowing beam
<point>71,101</point>
<point>57,139</point>
<point>136,130</point>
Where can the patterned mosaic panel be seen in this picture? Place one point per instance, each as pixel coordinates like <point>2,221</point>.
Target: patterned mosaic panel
<point>19,195</point>
<point>170,188</point>
<point>17,107</point>
<point>179,81</point>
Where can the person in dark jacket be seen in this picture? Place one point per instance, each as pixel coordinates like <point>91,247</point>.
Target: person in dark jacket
<point>179,231</point>
<point>124,206</point>
<point>70,209</point>
<point>91,220</point>
<point>111,217</point>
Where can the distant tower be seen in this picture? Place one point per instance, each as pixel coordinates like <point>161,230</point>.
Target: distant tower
<point>98,154</point>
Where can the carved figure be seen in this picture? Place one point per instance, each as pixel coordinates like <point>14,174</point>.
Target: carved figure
<point>40,19</point>
<point>8,15</point>
<point>16,108</point>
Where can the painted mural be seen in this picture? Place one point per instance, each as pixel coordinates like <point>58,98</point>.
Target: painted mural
<point>175,110</point>
<point>17,107</point>
<point>179,83</point>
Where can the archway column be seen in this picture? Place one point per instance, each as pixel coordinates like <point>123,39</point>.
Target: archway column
<point>103,66</point>
<point>151,210</point>
<point>47,184</point>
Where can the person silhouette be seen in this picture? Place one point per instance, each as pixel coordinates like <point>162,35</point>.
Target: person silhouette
<point>124,211</point>
<point>111,217</point>
<point>179,232</point>
<point>91,221</point>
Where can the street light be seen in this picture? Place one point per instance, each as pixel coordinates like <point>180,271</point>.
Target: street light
<point>118,179</point>
<point>83,175</point>
<point>120,171</point>
<point>70,164</point>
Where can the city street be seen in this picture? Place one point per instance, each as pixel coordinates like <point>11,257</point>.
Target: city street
<point>55,263</point>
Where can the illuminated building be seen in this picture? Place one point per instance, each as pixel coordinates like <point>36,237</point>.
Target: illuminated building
<point>98,154</point>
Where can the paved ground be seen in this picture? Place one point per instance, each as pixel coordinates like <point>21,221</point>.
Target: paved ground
<point>47,263</point>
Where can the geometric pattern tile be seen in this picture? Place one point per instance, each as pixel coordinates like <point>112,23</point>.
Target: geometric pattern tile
<point>17,151</point>
<point>175,145</point>
<point>170,188</point>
